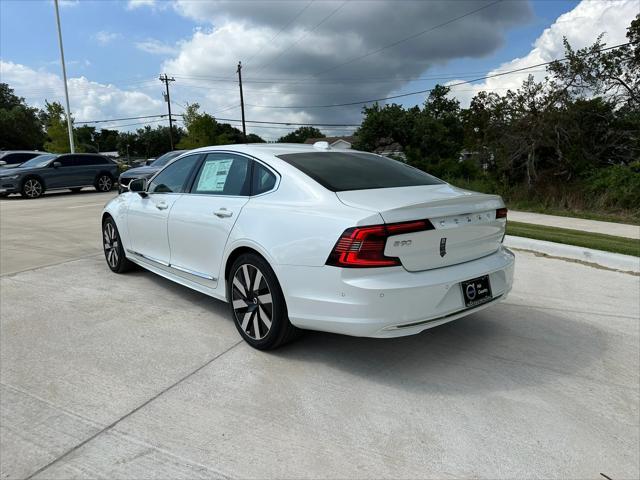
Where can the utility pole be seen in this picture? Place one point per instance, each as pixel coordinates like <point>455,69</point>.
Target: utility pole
<point>244,128</point>
<point>167,98</point>
<point>72,145</point>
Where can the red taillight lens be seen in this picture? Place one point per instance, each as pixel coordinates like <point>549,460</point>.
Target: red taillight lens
<point>501,213</point>
<point>364,246</point>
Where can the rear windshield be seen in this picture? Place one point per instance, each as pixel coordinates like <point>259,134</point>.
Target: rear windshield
<point>341,171</point>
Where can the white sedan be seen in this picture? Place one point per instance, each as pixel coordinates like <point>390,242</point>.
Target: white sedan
<point>308,237</point>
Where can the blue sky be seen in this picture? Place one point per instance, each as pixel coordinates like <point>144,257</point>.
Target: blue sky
<point>109,42</point>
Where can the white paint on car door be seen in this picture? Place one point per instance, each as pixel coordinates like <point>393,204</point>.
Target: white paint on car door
<point>201,221</point>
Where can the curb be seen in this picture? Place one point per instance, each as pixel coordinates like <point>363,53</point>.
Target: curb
<point>614,261</point>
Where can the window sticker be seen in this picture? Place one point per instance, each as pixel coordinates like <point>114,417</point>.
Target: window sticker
<point>214,175</point>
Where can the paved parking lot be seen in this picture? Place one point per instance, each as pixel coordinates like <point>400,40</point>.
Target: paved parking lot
<point>107,376</point>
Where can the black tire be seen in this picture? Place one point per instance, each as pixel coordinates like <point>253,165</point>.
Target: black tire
<point>32,187</point>
<point>113,250</point>
<point>104,182</point>
<point>258,304</point>
<point>76,189</point>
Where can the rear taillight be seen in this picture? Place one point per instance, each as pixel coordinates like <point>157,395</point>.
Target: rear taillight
<point>364,246</point>
<point>501,213</point>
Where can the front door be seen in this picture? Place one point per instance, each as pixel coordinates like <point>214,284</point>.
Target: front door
<point>148,213</point>
<point>200,221</point>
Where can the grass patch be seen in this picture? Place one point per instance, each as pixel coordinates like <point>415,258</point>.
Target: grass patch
<point>627,217</point>
<point>597,241</point>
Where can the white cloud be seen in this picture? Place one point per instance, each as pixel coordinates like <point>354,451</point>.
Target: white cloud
<point>89,100</point>
<point>288,44</point>
<point>581,26</point>
<point>133,4</point>
<point>105,37</point>
<point>157,47</point>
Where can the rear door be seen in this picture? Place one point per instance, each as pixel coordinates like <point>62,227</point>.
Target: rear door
<point>201,221</point>
<point>147,215</point>
<point>88,167</point>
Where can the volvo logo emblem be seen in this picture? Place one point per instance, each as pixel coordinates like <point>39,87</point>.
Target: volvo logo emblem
<point>471,291</point>
<point>443,247</point>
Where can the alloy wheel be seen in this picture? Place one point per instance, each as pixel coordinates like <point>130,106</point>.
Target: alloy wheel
<point>104,183</point>
<point>111,244</point>
<point>32,188</point>
<point>252,303</point>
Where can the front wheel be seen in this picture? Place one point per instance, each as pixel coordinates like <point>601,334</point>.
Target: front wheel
<point>258,305</point>
<point>113,249</point>
<point>104,183</point>
<point>32,188</point>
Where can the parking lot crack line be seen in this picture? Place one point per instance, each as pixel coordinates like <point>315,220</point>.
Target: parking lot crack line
<point>131,412</point>
<point>33,269</point>
<point>93,423</point>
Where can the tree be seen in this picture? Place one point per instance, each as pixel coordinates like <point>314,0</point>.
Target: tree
<point>301,134</point>
<point>55,122</point>
<point>202,128</point>
<point>20,126</point>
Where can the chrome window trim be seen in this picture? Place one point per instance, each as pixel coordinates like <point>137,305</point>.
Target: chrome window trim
<point>249,157</point>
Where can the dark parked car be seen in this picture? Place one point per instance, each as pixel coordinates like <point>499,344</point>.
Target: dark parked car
<point>147,171</point>
<point>53,172</point>
<point>13,158</point>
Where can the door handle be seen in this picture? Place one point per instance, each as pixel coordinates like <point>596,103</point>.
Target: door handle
<point>162,206</point>
<point>223,213</point>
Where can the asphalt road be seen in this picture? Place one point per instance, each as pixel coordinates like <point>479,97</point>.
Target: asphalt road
<point>132,376</point>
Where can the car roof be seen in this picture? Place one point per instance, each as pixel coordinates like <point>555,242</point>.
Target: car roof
<point>258,149</point>
<point>7,152</point>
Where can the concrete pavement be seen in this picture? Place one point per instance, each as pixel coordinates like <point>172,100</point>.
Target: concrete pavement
<point>132,376</point>
<point>593,226</point>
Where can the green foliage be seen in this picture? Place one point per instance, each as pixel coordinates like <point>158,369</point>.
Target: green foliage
<point>301,135</point>
<point>56,127</point>
<point>20,126</point>
<point>570,141</point>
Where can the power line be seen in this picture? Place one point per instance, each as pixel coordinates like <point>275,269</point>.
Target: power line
<point>121,119</point>
<point>295,42</point>
<point>362,102</point>
<point>410,37</point>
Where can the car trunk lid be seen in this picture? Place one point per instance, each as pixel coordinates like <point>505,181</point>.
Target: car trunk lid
<point>465,223</point>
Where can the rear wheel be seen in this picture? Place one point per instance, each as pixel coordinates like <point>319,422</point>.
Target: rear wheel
<point>258,305</point>
<point>104,183</point>
<point>32,188</point>
<point>113,249</point>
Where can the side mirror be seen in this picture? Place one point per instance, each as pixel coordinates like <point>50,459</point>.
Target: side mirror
<point>57,164</point>
<point>148,162</point>
<point>139,185</point>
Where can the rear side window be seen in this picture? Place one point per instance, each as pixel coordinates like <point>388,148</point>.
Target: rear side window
<point>341,171</point>
<point>92,160</point>
<point>263,180</point>
<point>223,174</point>
<point>173,178</point>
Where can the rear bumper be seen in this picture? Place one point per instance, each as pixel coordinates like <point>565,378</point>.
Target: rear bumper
<point>387,302</point>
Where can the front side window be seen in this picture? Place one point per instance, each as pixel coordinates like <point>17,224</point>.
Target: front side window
<point>173,178</point>
<point>39,161</point>
<point>68,161</point>
<point>223,174</point>
<point>263,180</point>
<point>341,171</point>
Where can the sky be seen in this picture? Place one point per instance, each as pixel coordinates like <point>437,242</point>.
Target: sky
<point>298,56</point>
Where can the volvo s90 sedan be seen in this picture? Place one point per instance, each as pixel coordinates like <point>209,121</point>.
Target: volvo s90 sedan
<point>146,171</point>
<point>54,172</point>
<point>307,237</point>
